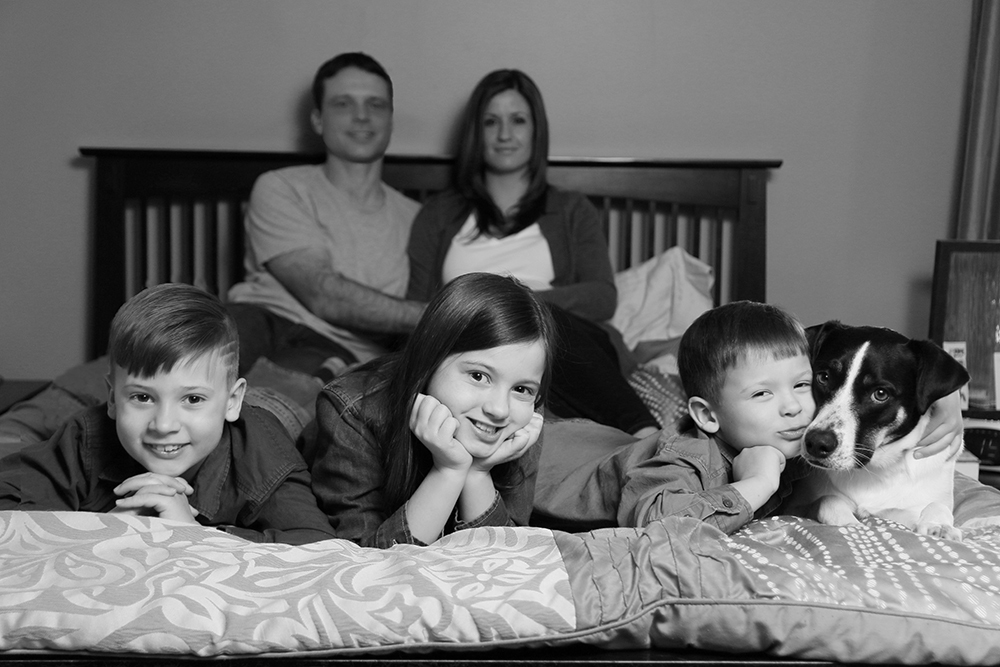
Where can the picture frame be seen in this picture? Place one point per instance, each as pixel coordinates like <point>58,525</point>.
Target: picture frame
<point>965,316</point>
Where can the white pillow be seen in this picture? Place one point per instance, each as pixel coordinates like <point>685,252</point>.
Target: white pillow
<point>662,296</point>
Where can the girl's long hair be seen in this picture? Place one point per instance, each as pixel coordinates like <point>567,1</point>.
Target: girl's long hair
<point>470,163</point>
<point>476,311</point>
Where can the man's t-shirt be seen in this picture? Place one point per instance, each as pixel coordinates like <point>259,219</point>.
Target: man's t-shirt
<point>298,207</point>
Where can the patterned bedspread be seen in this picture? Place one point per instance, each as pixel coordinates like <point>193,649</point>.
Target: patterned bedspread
<point>785,587</point>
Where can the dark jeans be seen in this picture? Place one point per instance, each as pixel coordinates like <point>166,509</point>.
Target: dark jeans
<point>294,346</point>
<point>587,380</point>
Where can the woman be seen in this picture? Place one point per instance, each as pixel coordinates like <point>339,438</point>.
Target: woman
<point>439,437</point>
<point>503,217</point>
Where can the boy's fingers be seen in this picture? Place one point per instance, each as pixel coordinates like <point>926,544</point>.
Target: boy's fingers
<point>136,502</point>
<point>953,445</point>
<point>133,484</point>
<point>185,486</point>
<point>151,489</point>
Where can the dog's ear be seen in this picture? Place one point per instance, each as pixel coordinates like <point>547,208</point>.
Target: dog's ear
<point>938,373</point>
<point>817,333</point>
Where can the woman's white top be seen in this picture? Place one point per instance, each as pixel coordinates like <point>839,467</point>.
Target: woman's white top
<point>524,255</point>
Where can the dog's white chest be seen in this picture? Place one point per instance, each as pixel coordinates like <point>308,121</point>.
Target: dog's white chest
<point>899,492</point>
<point>917,493</point>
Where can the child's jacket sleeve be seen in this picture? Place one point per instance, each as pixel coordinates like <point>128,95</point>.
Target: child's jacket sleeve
<point>687,476</point>
<point>62,473</point>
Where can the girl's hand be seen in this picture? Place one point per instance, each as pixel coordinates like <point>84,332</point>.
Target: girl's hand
<point>435,426</point>
<point>161,494</point>
<point>944,431</point>
<point>514,446</point>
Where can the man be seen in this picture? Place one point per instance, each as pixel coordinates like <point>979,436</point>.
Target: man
<point>326,263</point>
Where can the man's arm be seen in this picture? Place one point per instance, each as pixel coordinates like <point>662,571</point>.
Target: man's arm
<point>308,274</point>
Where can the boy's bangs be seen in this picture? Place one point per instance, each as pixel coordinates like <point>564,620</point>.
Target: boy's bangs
<point>164,359</point>
<point>776,350</point>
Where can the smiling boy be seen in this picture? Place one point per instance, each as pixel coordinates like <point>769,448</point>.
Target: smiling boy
<point>195,453</point>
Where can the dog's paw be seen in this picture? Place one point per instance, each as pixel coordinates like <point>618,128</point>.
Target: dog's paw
<point>836,511</point>
<point>937,520</point>
<point>941,531</point>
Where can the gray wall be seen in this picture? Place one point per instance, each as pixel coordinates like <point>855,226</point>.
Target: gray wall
<point>861,99</point>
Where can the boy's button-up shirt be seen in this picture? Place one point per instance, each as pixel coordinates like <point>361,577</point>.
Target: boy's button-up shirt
<point>254,484</point>
<point>690,474</point>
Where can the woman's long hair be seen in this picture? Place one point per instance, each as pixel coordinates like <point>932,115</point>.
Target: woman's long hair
<point>476,311</point>
<point>470,162</point>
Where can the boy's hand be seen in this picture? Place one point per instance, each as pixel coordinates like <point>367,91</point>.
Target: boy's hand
<point>514,446</point>
<point>944,431</point>
<point>756,474</point>
<point>162,494</point>
<point>435,426</point>
<point>763,462</point>
<point>136,482</point>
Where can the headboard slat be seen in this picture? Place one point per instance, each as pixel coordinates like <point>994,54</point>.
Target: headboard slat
<point>201,264</point>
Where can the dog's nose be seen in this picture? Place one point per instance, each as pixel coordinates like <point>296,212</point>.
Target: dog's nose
<point>820,444</point>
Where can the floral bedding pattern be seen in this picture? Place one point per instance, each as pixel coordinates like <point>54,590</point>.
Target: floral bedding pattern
<point>126,584</point>
<point>788,587</point>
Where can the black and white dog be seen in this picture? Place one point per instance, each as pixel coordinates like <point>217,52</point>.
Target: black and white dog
<point>872,388</point>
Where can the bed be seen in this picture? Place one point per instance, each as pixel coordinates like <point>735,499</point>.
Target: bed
<point>130,590</point>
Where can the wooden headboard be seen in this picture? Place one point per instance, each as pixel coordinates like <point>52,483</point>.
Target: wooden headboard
<point>177,215</point>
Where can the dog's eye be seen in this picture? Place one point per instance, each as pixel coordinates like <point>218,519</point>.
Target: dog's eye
<point>880,396</point>
<point>822,377</point>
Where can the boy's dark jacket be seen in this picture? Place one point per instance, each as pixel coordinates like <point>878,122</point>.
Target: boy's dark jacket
<point>253,484</point>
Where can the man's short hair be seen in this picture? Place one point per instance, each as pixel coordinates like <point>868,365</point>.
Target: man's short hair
<point>725,336</point>
<point>163,325</point>
<point>331,67</point>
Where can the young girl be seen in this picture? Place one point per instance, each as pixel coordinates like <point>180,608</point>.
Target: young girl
<point>502,216</point>
<point>438,437</point>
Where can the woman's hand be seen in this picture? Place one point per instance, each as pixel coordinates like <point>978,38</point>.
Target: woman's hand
<point>161,494</point>
<point>944,431</point>
<point>514,446</point>
<point>434,425</point>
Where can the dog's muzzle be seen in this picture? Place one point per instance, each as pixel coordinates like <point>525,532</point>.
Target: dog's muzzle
<point>819,444</point>
<point>826,448</point>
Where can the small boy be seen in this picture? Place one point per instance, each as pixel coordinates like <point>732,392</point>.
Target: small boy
<point>745,368</point>
<point>195,454</point>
